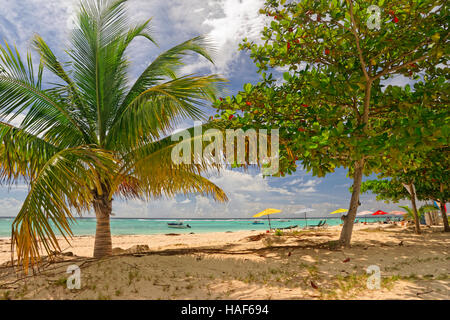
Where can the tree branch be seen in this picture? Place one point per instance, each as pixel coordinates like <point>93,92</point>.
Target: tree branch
<point>361,59</point>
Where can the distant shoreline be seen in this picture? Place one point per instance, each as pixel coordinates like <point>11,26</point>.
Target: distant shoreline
<point>147,226</point>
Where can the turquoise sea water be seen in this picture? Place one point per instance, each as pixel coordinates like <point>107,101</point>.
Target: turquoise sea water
<point>159,226</point>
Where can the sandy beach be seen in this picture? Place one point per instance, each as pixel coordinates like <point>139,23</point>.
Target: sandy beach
<point>303,264</point>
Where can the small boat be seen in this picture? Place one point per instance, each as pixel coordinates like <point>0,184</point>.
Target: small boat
<point>178,225</point>
<point>257,222</point>
<point>285,220</point>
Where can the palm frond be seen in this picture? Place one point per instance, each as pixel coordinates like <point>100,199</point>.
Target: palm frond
<point>66,181</point>
<point>21,93</point>
<point>149,171</point>
<point>166,66</point>
<point>139,30</point>
<point>22,154</point>
<point>69,88</point>
<point>408,210</point>
<point>158,110</point>
<point>427,208</point>
<point>98,68</point>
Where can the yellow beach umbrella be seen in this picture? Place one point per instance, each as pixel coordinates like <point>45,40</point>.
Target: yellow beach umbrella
<point>339,211</point>
<point>267,213</point>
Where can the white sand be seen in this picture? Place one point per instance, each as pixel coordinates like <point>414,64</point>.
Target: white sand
<point>231,266</point>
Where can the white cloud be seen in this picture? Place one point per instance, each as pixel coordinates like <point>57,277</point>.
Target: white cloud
<point>237,20</point>
<point>302,185</point>
<point>9,207</point>
<point>294,182</point>
<point>225,22</point>
<point>310,183</point>
<point>307,190</point>
<point>235,181</point>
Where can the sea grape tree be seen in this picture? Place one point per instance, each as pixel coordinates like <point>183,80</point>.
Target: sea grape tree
<point>427,180</point>
<point>332,105</point>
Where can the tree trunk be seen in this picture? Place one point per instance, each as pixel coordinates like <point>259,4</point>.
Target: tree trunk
<point>444,216</point>
<point>349,219</point>
<point>414,207</point>
<point>443,211</point>
<point>103,242</point>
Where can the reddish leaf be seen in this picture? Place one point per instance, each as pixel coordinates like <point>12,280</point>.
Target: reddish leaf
<point>314,285</point>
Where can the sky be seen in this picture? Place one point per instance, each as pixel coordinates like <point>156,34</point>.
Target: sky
<point>226,23</point>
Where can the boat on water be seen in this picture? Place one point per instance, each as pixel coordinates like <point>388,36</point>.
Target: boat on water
<point>257,222</point>
<point>178,225</point>
<point>284,220</point>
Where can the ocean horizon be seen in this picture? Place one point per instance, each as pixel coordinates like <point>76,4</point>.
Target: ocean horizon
<point>85,226</point>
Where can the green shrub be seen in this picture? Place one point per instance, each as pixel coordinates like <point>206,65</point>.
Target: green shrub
<point>278,232</point>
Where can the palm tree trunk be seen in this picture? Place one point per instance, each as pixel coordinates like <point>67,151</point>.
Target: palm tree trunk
<point>349,219</point>
<point>103,242</point>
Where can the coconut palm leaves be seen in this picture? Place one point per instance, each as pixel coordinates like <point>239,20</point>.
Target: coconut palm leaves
<point>95,134</point>
<point>422,210</point>
<point>66,181</point>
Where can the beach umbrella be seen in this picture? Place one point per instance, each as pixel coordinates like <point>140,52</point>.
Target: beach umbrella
<point>305,211</point>
<point>339,211</point>
<point>379,213</point>
<point>267,213</point>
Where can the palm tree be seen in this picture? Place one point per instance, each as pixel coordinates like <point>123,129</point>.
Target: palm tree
<point>422,210</point>
<point>94,134</point>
